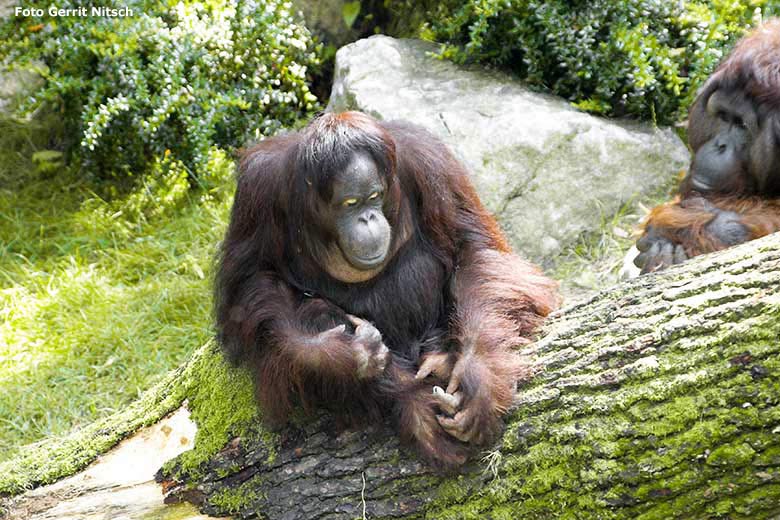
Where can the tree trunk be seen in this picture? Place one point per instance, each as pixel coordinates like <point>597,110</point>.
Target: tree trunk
<point>658,398</point>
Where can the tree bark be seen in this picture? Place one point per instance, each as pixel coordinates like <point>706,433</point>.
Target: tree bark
<point>658,398</point>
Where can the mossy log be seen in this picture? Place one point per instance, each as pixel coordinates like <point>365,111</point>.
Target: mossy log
<point>656,399</point>
<point>659,398</point>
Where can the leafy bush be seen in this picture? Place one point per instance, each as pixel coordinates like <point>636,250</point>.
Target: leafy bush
<point>168,82</point>
<point>630,57</point>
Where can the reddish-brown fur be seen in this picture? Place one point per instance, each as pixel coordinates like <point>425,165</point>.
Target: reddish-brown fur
<point>687,225</point>
<point>752,68</point>
<point>453,295</point>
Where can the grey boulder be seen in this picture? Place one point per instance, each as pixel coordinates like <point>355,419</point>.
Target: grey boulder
<point>548,171</point>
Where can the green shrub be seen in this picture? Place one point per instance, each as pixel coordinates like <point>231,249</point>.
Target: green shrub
<point>644,58</point>
<point>166,83</point>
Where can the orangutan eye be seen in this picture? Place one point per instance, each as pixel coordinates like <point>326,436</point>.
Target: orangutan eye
<point>350,202</point>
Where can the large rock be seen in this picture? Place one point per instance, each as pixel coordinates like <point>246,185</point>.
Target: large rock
<point>547,170</point>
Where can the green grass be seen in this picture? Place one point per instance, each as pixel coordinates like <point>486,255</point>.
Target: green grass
<point>97,300</point>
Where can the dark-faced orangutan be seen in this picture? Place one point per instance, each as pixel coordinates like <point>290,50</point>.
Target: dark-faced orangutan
<point>730,194</point>
<point>361,273</point>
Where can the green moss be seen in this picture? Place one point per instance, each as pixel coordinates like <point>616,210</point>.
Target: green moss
<point>232,501</point>
<point>770,457</point>
<point>731,455</point>
<point>223,406</point>
<point>451,491</point>
<point>759,501</point>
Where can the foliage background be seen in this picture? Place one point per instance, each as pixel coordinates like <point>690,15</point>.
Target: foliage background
<point>165,84</point>
<point>639,58</point>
